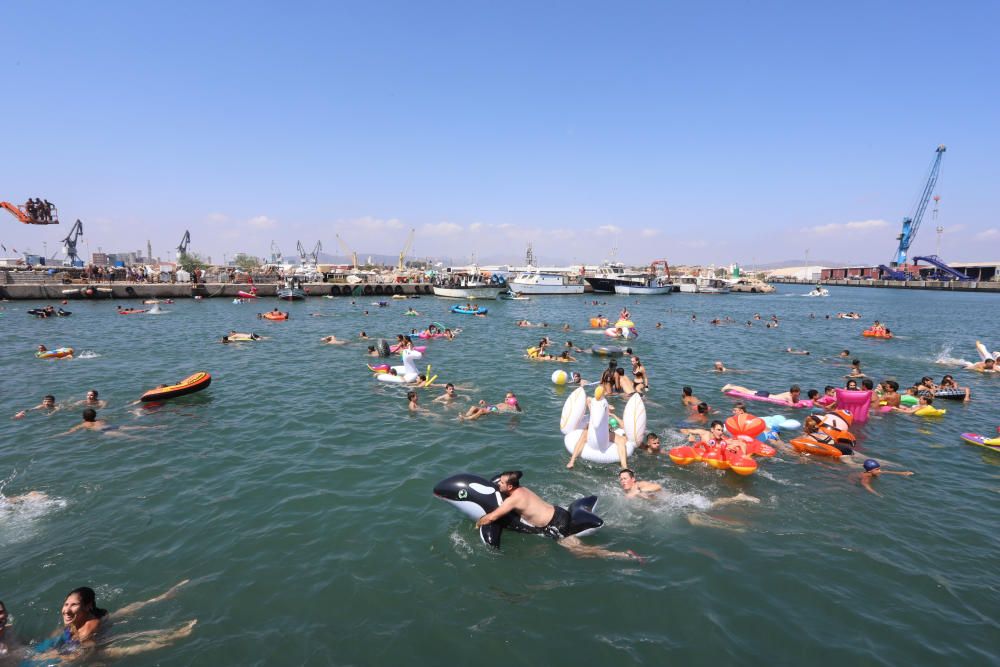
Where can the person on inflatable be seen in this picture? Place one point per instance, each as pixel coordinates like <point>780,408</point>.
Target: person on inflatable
<point>551,519</point>
<point>948,383</point>
<point>923,401</point>
<point>510,404</point>
<point>873,470</point>
<point>985,366</point>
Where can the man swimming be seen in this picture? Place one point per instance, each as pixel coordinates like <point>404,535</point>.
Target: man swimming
<point>551,520</point>
<point>635,488</point>
<point>48,404</point>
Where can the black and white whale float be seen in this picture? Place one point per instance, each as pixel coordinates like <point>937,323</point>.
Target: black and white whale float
<point>475,497</point>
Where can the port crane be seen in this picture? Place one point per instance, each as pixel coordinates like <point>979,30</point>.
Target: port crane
<point>305,257</point>
<point>27,213</point>
<point>897,267</point>
<point>276,256</point>
<point>183,247</point>
<point>69,245</point>
<point>350,253</point>
<point>402,253</point>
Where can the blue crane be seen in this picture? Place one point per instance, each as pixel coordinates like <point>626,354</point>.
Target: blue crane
<point>912,224</point>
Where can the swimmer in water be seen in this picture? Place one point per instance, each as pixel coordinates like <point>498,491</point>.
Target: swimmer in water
<point>873,470</point>
<point>333,340</point>
<point>510,404</point>
<point>651,444</point>
<point>411,402</point>
<point>11,502</point>
<point>792,350</point>
<point>90,422</point>
<point>688,399</point>
<point>48,405</point>
<point>84,623</point>
<point>634,488</point>
<point>550,520</point>
<point>92,401</point>
<point>719,367</point>
<point>449,395</point>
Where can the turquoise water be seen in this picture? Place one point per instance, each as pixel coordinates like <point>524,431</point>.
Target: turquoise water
<point>295,492</point>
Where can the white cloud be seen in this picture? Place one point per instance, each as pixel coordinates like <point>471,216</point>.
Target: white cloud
<point>262,222</point>
<point>441,229</point>
<point>648,233</point>
<point>858,226</point>
<point>217,217</point>
<point>369,223</point>
<point>605,230</point>
<point>990,233</point>
<point>476,227</point>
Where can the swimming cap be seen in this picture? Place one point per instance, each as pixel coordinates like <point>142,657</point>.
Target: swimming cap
<point>598,393</point>
<point>871,464</point>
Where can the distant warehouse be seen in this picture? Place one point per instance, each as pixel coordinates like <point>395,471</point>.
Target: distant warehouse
<point>978,271</point>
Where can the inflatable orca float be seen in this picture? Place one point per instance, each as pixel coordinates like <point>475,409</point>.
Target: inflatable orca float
<point>476,497</point>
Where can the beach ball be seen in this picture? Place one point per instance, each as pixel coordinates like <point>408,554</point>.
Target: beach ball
<point>559,377</point>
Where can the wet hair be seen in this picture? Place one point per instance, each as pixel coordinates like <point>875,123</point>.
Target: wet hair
<point>855,362</point>
<point>686,391</point>
<point>828,388</point>
<point>513,477</point>
<point>49,397</point>
<point>716,422</point>
<point>867,383</point>
<point>89,415</point>
<point>92,391</point>
<point>651,435</point>
<point>410,395</point>
<point>89,601</point>
<point>371,348</point>
<point>741,405</point>
<point>449,386</point>
<point>929,399</point>
<point>627,471</point>
<point>851,382</point>
<point>794,388</point>
<point>703,408</point>
<point>812,393</point>
<point>892,384</point>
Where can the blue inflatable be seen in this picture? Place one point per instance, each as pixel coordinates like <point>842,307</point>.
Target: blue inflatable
<point>462,310</point>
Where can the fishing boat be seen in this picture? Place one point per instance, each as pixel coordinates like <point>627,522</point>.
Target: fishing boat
<point>471,284</point>
<point>292,290</point>
<point>692,284</point>
<point>649,286</point>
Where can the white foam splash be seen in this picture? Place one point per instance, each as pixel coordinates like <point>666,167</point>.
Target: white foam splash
<point>19,516</point>
<point>87,354</point>
<point>945,359</point>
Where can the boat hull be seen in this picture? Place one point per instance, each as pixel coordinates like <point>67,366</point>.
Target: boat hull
<point>643,290</point>
<point>468,292</point>
<point>547,289</point>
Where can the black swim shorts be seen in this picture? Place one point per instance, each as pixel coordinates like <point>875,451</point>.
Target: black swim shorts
<point>558,527</point>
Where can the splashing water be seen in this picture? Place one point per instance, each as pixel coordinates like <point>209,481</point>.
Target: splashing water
<point>945,359</point>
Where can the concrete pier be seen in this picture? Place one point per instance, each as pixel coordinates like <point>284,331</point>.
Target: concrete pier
<point>940,285</point>
<point>122,291</point>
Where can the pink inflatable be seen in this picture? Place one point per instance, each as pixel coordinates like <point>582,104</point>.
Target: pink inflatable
<point>857,402</point>
<point>767,399</point>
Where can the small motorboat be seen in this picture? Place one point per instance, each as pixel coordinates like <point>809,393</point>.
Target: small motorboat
<point>513,296</point>
<point>819,291</point>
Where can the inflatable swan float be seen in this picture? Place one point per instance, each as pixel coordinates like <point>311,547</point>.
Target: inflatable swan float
<point>600,448</point>
<point>407,372</point>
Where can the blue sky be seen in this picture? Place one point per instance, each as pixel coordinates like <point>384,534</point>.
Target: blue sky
<point>695,132</point>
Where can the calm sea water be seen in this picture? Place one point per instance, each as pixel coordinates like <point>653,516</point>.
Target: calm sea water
<point>295,492</point>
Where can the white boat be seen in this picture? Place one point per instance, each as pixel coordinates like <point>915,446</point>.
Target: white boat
<point>513,296</point>
<point>469,283</point>
<point>537,282</point>
<point>651,285</point>
<point>750,285</point>
<point>292,290</point>
<point>702,285</point>
<point>819,291</point>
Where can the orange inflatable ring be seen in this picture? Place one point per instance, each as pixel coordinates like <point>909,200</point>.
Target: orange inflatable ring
<point>875,334</point>
<point>277,317</point>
